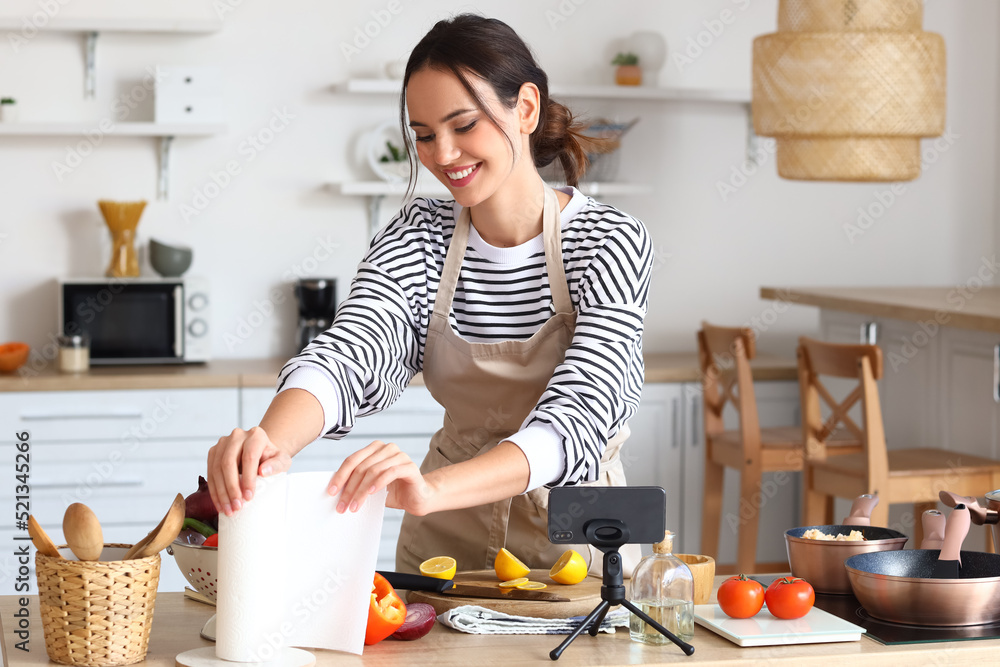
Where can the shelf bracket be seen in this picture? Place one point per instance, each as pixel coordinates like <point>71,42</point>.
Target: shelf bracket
<point>374,210</point>
<point>163,181</point>
<point>90,71</point>
<point>753,141</point>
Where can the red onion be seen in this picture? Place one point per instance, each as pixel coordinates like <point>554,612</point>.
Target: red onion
<point>420,618</point>
<point>199,505</point>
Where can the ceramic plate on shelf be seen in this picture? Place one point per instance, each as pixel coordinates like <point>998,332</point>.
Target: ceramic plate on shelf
<point>816,627</point>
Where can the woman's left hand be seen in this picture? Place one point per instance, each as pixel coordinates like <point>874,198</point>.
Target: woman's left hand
<point>379,465</point>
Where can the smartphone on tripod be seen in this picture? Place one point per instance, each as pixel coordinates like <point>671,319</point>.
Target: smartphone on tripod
<point>643,509</point>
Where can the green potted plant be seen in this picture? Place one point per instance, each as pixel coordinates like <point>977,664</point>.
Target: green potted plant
<point>8,109</point>
<point>628,72</point>
<point>394,162</point>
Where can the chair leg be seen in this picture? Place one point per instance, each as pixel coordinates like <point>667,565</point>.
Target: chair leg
<point>814,503</point>
<point>711,508</point>
<point>828,511</point>
<point>748,519</point>
<point>918,521</point>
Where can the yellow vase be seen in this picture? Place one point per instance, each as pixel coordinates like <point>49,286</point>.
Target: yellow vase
<point>122,218</point>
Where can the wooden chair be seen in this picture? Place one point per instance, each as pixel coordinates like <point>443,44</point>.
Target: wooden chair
<point>724,355</point>
<point>896,475</point>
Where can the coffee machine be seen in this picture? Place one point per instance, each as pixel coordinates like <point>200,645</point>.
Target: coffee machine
<point>317,299</point>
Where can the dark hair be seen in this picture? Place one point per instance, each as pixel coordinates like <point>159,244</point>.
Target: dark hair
<point>490,49</point>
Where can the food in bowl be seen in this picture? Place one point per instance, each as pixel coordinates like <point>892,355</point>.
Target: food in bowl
<point>821,562</point>
<point>816,534</point>
<point>13,356</point>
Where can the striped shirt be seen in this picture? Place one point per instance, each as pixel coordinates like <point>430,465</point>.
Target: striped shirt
<point>374,348</point>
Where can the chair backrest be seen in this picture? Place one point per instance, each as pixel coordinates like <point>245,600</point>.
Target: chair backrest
<point>861,362</point>
<point>724,355</point>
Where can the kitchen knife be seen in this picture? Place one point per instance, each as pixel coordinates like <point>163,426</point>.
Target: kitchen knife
<point>948,565</point>
<point>416,582</point>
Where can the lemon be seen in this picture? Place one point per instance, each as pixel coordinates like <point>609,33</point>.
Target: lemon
<point>514,583</point>
<point>532,586</point>
<point>439,567</point>
<point>508,566</point>
<point>569,569</point>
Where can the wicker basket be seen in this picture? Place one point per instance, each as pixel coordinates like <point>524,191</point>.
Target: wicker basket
<point>97,613</point>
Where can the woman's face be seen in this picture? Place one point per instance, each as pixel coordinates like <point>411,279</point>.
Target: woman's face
<point>455,140</point>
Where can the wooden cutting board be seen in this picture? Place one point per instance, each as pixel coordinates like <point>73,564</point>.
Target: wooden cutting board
<point>583,597</point>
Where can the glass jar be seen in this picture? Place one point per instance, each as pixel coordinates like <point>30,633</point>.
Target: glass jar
<point>662,587</point>
<point>74,353</point>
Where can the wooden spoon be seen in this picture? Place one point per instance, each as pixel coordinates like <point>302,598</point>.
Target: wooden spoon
<point>165,532</point>
<point>41,539</point>
<point>83,532</point>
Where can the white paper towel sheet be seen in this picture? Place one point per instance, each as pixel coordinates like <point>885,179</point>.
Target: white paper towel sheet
<point>294,572</point>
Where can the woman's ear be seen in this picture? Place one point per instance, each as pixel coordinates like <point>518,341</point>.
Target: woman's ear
<point>528,107</point>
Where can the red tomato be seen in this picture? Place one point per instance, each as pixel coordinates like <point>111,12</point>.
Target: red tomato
<point>212,541</point>
<point>789,597</point>
<point>740,596</point>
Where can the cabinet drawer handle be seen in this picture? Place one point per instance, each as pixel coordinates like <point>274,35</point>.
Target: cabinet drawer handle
<point>869,333</point>
<point>694,423</point>
<point>675,405</point>
<point>996,373</point>
<point>123,483</point>
<point>53,416</point>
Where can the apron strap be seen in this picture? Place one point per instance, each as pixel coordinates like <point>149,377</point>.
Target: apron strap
<point>452,266</point>
<point>552,234</point>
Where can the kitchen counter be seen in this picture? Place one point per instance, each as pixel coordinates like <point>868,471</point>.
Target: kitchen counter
<point>964,307</point>
<point>660,367</point>
<point>177,622</point>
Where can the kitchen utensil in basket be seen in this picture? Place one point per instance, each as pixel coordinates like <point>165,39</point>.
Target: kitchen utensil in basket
<point>97,613</point>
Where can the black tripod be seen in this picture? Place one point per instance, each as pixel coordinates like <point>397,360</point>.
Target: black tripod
<point>609,535</point>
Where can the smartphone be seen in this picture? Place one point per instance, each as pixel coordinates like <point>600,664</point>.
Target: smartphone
<point>642,509</point>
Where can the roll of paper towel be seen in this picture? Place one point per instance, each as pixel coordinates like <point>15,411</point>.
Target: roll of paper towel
<point>294,572</point>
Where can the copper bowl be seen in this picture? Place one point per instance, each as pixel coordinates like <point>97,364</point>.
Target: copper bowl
<point>821,562</point>
<point>898,587</point>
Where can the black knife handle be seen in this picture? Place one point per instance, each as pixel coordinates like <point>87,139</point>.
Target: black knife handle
<point>416,582</point>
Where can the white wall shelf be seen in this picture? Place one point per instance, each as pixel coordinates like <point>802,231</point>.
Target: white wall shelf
<point>114,24</point>
<point>164,132</point>
<point>90,28</point>
<point>579,91</point>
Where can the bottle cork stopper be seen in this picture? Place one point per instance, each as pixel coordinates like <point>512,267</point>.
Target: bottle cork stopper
<point>666,546</point>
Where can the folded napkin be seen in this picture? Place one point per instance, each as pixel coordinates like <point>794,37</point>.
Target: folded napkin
<point>477,620</point>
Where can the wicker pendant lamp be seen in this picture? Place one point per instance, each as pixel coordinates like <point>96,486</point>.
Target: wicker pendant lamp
<point>848,88</point>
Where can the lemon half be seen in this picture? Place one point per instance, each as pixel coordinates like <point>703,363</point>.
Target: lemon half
<point>571,568</point>
<point>508,566</point>
<point>439,567</point>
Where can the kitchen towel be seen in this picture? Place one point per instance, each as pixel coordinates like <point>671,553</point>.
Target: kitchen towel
<point>293,572</point>
<point>477,620</point>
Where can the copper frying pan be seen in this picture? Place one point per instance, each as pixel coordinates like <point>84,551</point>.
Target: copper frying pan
<point>900,586</point>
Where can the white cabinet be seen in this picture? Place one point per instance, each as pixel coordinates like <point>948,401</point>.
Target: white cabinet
<point>125,454</point>
<point>971,415</point>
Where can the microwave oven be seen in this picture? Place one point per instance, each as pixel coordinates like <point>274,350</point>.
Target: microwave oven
<point>139,320</point>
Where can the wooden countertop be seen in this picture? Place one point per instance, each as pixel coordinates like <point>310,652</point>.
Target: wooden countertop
<point>964,306</point>
<point>660,367</point>
<point>177,622</point>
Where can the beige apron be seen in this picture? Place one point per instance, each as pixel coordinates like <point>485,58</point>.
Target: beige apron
<point>488,390</point>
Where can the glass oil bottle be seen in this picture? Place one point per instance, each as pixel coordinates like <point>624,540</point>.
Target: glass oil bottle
<point>663,587</point>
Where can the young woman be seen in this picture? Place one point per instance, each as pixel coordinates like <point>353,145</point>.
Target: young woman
<point>522,307</point>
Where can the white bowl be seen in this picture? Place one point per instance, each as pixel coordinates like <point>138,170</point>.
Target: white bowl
<point>199,565</point>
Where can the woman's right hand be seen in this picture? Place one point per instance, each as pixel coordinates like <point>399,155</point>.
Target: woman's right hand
<point>234,463</point>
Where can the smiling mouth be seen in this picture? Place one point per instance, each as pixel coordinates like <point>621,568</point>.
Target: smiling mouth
<point>463,174</point>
